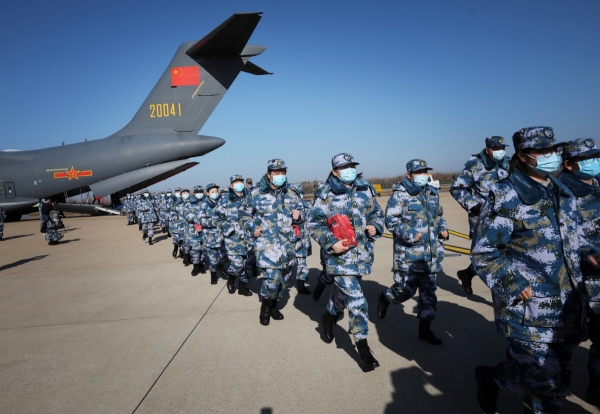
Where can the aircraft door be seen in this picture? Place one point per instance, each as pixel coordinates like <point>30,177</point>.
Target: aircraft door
<point>9,189</point>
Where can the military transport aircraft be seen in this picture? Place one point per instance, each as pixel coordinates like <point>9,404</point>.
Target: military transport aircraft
<point>158,141</point>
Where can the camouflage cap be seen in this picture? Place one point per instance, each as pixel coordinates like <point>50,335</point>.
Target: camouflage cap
<point>417,165</point>
<point>169,190</point>
<point>184,189</point>
<point>276,164</point>
<point>580,147</point>
<point>495,141</point>
<point>178,189</point>
<point>223,190</point>
<point>342,159</point>
<point>211,186</point>
<point>236,177</point>
<point>534,137</point>
<point>198,189</point>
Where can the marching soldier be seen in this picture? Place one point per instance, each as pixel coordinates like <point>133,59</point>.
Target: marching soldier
<point>176,222</point>
<point>303,246</point>
<point>147,214</point>
<point>346,193</point>
<point>414,216</point>
<point>236,243</point>
<point>212,239</point>
<point>581,168</point>
<point>269,214</point>
<point>471,188</point>
<point>194,234</point>
<point>529,252</point>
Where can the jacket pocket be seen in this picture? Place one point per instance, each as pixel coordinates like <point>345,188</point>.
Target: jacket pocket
<point>543,312</point>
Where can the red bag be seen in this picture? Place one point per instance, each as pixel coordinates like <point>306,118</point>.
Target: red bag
<point>342,229</point>
<point>297,230</point>
<point>198,228</point>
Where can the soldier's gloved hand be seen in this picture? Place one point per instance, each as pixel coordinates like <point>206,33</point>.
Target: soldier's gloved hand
<point>526,294</point>
<point>475,210</point>
<point>418,237</point>
<point>257,232</point>
<point>371,230</point>
<point>340,247</point>
<point>295,214</point>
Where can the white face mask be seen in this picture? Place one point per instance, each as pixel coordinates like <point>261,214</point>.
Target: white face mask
<point>498,155</point>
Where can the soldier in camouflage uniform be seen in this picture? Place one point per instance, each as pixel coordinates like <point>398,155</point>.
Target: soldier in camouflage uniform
<point>529,251</point>
<point>147,214</point>
<point>2,218</point>
<point>324,279</point>
<point>303,245</point>
<point>471,188</point>
<point>348,194</point>
<point>176,222</point>
<point>52,234</point>
<point>194,231</point>
<point>236,242</point>
<point>212,238</point>
<point>165,212</point>
<point>188,212</point>
<point>414,216</point>
<point>269,214</point>
<point>581,168</point>
<point>128,209</point>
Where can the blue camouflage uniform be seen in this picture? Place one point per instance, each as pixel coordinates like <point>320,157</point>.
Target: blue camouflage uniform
<point>176,219</point>
<point>212,239</point>
<point>193,237</point>
<point>528,237</point>
<point>147,214</point>
<point>188,212</point>
<point>410,211</point>
<point>165,211</point>
<point>129,209</point>
<point>52,234</point>
<point>271,210</point>
<point>588,201</point>
<point>235,238</point>
<point>303,245</point>
<point>359,204</point>
<point>2,218</point>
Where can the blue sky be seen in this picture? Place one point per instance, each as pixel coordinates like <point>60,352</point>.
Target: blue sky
<point>387,81</point>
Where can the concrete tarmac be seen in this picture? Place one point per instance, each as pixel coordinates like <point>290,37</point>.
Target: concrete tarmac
<point>105,323</point>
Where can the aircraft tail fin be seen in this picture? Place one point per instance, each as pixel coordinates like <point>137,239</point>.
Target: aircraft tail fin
<point>198,76</point>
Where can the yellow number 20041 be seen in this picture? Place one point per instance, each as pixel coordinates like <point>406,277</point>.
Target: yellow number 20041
<point>164,110</point>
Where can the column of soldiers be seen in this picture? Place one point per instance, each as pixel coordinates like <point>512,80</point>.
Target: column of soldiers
<point>535,244</point>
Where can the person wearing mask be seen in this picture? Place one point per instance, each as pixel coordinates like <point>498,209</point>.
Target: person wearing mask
<point>528,249</point>
<point>415,218</point>
<point>268,214</point>
<point>303,245</point>
<point>212,238</point>
<point>581,166</point>
<point>147,214</point>
<point>347,195</point>
<point>176,222</point>
<point>471,188</point>
<point>194,235</point>
<point>236,242</point>
<point>52,235</point>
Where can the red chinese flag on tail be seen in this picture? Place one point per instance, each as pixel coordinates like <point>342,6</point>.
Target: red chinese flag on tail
<point>185,76</point>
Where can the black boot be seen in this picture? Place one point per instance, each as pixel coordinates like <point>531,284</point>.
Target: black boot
<point>196,269</point>
<point>150,241</point>
<point>169,234</point>
<point>231,284</point>
<point>202,269</point>
<point>382,305</point>
<point>140,226</point>
<point>186,259</point>
<point>318,291</point>
<point>265,312</point>
<point>175,248</point>
<point>213,278</point>
<point>466,278</point>
<point>243,289</point>
<point>328,322</point>
<point>487,390</point>
<point>254,270</point>
<point>425,333</point>
<point>302,289</point>
<point>369,363</point>
<point>593,390</point>
<point>275,314</point>
<point>144,236</point>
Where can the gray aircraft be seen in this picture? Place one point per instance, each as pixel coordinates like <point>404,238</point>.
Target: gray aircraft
<point>158,141</point>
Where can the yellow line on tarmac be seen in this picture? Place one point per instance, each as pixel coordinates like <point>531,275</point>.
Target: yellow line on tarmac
<point>448,247</point>
<point>457,234</point>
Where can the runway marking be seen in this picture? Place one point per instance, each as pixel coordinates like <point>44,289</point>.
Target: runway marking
<point>179,349</point>
<point>457,249</point>
<point>458,234</point>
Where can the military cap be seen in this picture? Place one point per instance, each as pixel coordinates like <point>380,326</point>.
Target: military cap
<point>223,190</point>
<point>211,186</point>
<point>198,189</point>
<point>342,159</point>
<point>235,177</point>
<point>580,147</point>
<point>495,141</point>
<point>534,137</point>
<point>178,189</point>
<point>184,189</point>
<point>168,190</point>
<point>417,165</point>
<point>276,164</point>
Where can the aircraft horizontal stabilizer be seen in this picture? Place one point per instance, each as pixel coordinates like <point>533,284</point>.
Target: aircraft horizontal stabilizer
<point>229,38</point>
<point>138,179</point>
<point>253,69</point>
